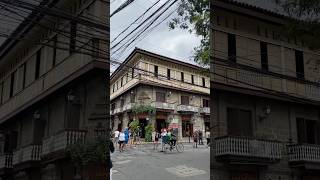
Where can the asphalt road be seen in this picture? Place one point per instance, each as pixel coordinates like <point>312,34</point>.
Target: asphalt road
<point>148,164</point>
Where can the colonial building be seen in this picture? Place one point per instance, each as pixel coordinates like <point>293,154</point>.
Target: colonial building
<point>178,91</point>
<point>265,96</point>
<point>52,84</point>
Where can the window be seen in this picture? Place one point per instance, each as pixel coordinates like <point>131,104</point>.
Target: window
<point>232,53</point>
<point>299,64</point>
<point>73,33</point>
<point>182,76</point>
<point>307,131</point>
<point>218,20</point>
<point>192,79</point>
<point>266,32</point>
<point>160,97</point>
<point>132,73</point>
<point>54,50</point>
<point>132,98</point>
<point>113,106</point>
<point>264,56</point>
<point>12,84</point>
<point>235,25</point>
<point>205,103</point>
<point>117,85</point>
<point>168,73</point>
<point>156,71</point>
<point>203,82</point>
<point>185,100</point>
<point>122,102</point>
<point>121,83</point>
<point>113,88</point>
<point>37,74</point>
<point>24,75</point>
<point>227,22</point>
<point>239,122</point>
<point>127,77</point>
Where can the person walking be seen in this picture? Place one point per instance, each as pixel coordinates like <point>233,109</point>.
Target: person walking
<point>122,140</point>
<point>208,137</point>
<point>116,137</point>
<point>130,138</point>
<point>195,138</point>
<point>109,161</point>
<point>126,137</point>
<point>153,137</point>
<point>200,137</point>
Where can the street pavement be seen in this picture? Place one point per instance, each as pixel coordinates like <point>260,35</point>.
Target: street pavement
<point>144,163</point>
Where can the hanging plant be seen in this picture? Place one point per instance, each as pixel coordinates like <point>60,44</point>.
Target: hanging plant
<point>143,108</point>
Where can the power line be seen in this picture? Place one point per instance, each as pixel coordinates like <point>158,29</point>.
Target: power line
<point>143,14</point>
<point>121,7</point>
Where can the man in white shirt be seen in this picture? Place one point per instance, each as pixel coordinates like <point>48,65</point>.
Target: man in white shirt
<point>116,137</point>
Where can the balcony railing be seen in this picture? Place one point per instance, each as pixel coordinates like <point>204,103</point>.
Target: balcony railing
<point>62,140</point>
<point>304,153</point>
<point>248,148</point>
<point>255,80</point>
<point>6,161</point>
<point>205,110</point>
<point>29,153</point>
<point>163,105</point>
<point>187,108</point>
<point>128,106</point>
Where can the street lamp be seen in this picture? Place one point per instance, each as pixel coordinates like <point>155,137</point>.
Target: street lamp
<point>266,112</point>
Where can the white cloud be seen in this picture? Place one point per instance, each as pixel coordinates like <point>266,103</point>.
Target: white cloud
<point>176,43</point>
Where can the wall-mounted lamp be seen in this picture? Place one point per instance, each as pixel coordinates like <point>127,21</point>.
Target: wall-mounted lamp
<point>265,113</point>
<point>169,93</point>
<point>70,96</point>
<point>192,97</point>
<point>36,115</point>
<point>132,92</point>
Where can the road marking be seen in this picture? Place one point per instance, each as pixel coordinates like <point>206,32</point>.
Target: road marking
<point>122,162</point>
<point>184,171</point>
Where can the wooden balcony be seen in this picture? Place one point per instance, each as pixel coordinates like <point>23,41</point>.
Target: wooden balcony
<point>306,155</point>
<point>60,141</point>
<point>163,106</point>
<point>246,150</point>
<point>6,161</point>
<point>187,108</point>
<point>27,154</point>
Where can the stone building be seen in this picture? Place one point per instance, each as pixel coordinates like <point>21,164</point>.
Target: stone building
<point>53,88</point>
<point>265,97</point>
<point>178,91</point>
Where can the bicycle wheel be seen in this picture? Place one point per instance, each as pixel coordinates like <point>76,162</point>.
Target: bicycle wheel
<point>180,147</point>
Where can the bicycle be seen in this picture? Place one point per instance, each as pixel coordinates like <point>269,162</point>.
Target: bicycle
<point>178,147</point>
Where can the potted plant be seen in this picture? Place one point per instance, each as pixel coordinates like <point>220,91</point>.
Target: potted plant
<point>90,158</point>
<point>149,129</point>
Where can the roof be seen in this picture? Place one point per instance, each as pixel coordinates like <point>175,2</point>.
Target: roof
<point>158,56</point>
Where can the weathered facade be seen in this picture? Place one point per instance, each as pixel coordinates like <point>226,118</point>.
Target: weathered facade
<point>178,91</point>
<point>265,96</point>
<point>53,87</point>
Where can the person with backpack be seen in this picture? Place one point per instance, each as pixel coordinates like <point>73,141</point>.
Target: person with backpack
<point>109,161</point>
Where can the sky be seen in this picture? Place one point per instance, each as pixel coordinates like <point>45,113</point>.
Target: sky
<point>177,43</point>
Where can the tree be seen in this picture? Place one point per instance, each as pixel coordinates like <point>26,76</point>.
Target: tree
<point>305,21</point>
<point>194,16</point>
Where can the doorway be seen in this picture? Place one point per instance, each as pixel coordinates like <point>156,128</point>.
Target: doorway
<point>160,124</point>
<point>187,129</point>
<point>143,123</point>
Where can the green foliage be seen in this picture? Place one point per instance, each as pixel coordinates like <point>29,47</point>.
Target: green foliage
<point>305,24</point>
<point>143,108</point>
<point>149,129</point>
<point>134,126</point>
<point>194,16</point>
<point>95,151</point>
